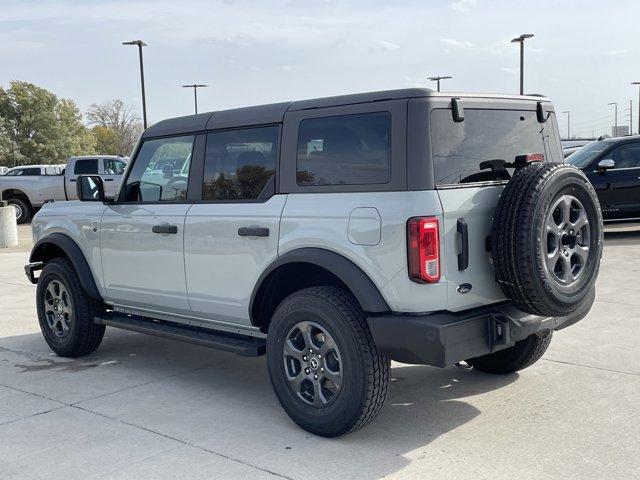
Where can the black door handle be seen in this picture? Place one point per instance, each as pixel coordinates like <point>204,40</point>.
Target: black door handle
<point>72,179</point>
<point>108,179</point>
<point>165,228</point>
<point>253,232</point>
<point>463,256</point>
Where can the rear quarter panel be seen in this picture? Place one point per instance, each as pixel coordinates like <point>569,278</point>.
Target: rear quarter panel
<point>322,220</point>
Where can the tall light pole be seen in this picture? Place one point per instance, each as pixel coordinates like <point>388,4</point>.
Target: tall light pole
<point>141,44</point>
<point>615,109</point>
<point>568,124</point>
<point>638,83</point>
<point>195,87</point>
<point>438,78</point>
<point>521,40</point>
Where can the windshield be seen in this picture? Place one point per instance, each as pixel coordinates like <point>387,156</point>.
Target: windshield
<point>583,157</point>
<point>480,148</point>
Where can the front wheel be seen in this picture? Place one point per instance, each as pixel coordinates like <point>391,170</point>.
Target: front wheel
<point>324,366</point>
<point>521,355</point>
<point>65,312</point>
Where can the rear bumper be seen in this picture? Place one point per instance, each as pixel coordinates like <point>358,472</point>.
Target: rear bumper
<point>444,338</point>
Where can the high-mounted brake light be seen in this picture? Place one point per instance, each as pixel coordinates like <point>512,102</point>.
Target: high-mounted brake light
<point>423,246</point>
<point>533,157</point>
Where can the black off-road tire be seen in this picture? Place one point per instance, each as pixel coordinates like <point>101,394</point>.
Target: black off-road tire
<point>520,356</point>
<point>83,335</point>
<point>365,371</point>
<point>23,210</point>
<point>519,242</point>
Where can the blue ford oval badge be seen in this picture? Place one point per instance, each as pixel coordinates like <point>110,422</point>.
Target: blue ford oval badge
<point>463,288</point>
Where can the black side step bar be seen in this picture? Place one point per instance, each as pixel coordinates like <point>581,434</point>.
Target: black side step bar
<point>230,342</point>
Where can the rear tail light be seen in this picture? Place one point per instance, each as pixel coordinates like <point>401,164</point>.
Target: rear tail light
<point>423,245</point>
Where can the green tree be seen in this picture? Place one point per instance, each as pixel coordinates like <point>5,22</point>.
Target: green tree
<point>107,140</point>
<point>38,127</point>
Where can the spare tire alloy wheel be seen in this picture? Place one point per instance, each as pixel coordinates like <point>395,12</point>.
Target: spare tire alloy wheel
<point>568,240</point>
<point>312,364</point>
<point>58,309</point>
<point>547,239</point>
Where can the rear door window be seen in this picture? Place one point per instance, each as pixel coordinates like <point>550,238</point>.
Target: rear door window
<point>480,148</point>
<point>87,166</point>
<point>345,150</point>
<point>240,164</point>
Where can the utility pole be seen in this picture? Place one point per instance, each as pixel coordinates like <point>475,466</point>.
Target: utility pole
<point>195,87</point>
<point>437,79</point>
<point>615,128</point>
<point>630,117</point>
<point>521,40</point>
<point>568,124</point>
<point>638,83</point>
<point>141,44</point>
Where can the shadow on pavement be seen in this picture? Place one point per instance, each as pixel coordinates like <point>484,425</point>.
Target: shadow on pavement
<point>225,402</point>
<point>621,238</point>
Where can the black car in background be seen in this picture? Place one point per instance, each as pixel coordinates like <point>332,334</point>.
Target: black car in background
<point>613,167</point>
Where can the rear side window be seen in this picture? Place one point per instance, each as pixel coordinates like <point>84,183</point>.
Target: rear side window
<point>344,150</point>
<point>480,148</point>
<point>88,166</point>
<point>240,164</point>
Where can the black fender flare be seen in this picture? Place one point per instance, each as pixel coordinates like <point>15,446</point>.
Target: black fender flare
<point>362,287</point>
<point>75,255</point>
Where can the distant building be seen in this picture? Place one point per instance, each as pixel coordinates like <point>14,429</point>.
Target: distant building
<point>620,131</point>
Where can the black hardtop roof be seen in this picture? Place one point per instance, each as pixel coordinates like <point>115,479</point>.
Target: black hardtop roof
<point>274,113</point>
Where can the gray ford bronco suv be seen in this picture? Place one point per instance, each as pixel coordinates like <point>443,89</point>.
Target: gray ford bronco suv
<point>332,235</point>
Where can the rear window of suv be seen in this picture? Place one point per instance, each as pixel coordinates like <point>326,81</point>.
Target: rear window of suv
<point>477,149</point>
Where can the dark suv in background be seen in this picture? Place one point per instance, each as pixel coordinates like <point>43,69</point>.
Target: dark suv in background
<point>613,167</point>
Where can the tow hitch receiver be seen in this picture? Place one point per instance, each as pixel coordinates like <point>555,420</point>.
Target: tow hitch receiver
<point>500,332</point>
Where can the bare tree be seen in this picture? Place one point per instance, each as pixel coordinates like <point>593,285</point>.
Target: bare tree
<point>120,118</point>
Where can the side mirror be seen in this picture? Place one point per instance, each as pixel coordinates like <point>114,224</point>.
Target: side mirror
<point>606,164</point>
<point>90,188</point>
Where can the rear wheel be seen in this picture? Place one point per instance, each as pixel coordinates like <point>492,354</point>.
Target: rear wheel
<point>522,355</point>
<point>65,312</point>
<point>23,210</point>
<point>323,363</point>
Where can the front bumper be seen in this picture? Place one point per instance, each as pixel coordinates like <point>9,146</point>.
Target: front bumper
<point>445,338</point>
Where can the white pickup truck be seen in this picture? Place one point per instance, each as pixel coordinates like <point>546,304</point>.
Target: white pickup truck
<point>29,187</point>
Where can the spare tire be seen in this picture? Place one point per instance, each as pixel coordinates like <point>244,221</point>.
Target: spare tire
<point>547,239</point>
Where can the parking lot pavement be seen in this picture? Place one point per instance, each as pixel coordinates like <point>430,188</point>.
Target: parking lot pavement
<point>143,407</point>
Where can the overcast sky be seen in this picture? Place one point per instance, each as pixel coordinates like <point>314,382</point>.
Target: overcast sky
<point>584,54</point>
